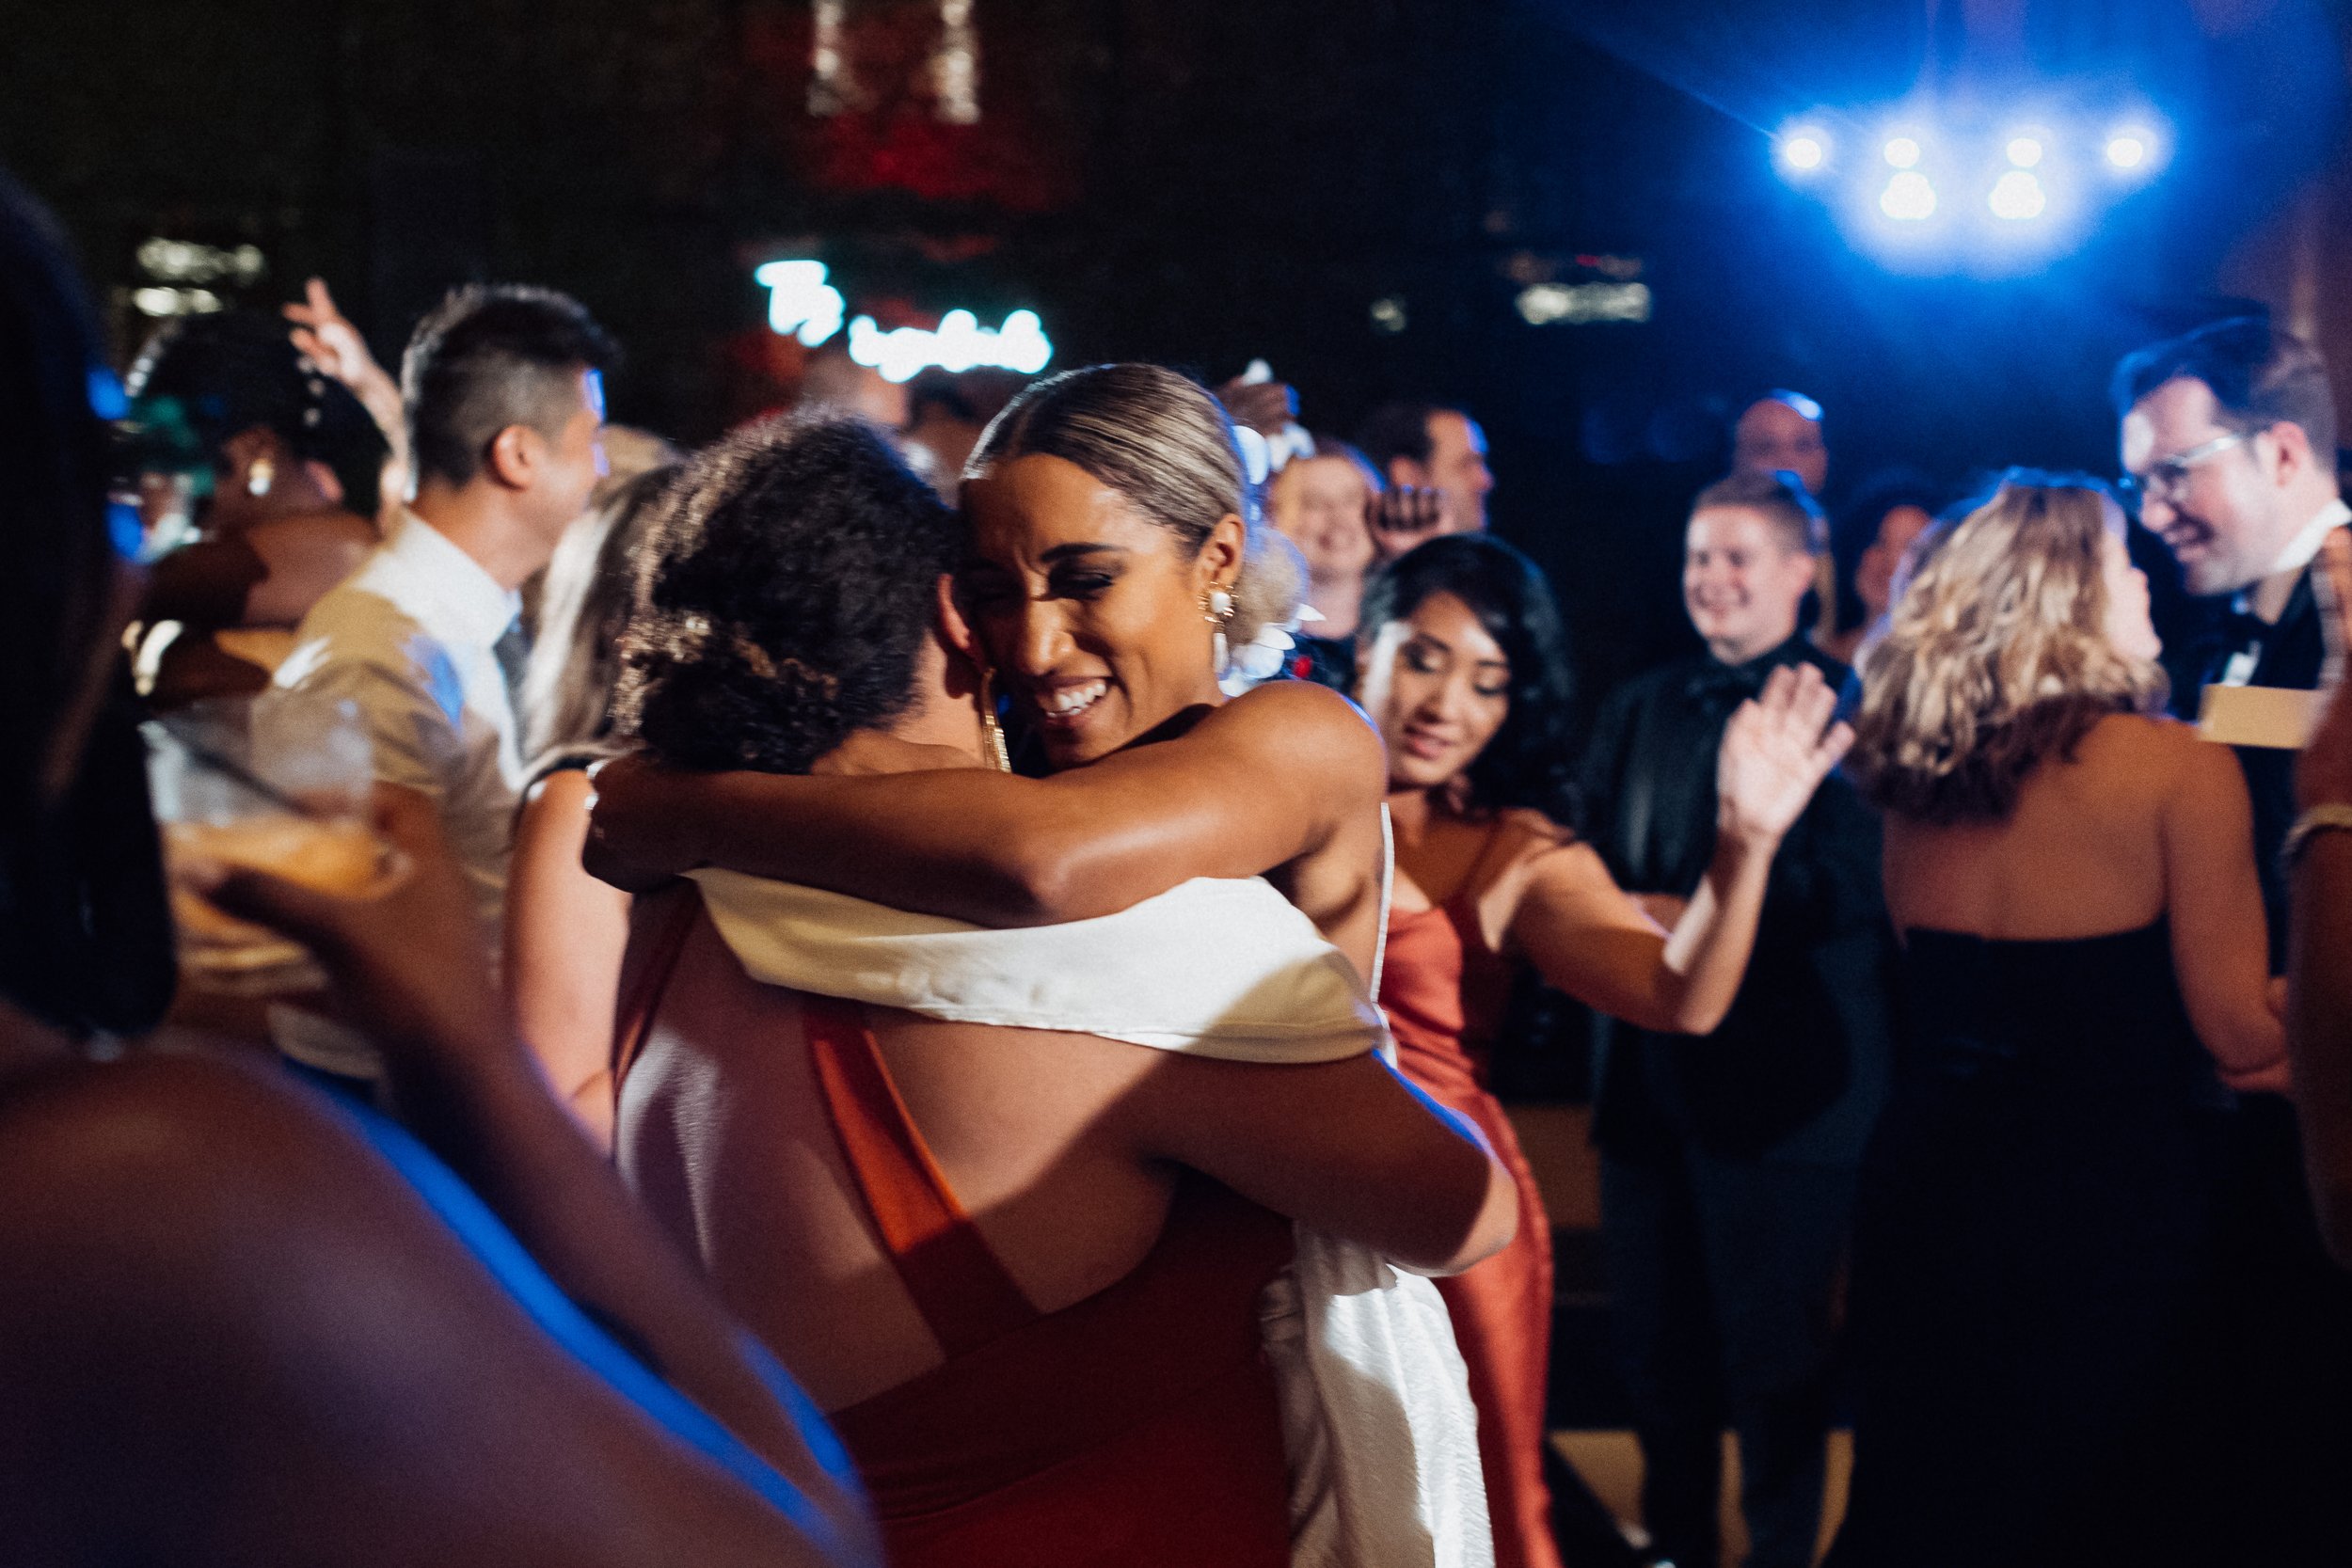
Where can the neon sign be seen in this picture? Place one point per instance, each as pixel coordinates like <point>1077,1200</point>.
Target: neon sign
<point>802,304</point>
<point>962,344</point>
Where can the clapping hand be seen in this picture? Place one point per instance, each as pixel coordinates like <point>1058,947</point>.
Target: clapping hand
<point>1268,407</point>
<point>1404,516</point>
<point>1777,749</point>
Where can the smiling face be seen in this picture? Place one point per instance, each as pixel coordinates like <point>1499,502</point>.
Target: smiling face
<point>576,455</point>
<point>2226,516</point>
<point>1742,581</point>
<point>1438,685</point>
<point>1322,504</point>
<point>1089,613</point>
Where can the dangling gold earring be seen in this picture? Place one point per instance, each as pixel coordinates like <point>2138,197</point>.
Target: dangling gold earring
<point>991,732</point>
<point>1217,608</point>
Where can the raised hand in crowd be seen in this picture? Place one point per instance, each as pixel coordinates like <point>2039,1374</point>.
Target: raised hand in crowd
<point>1778,747</point>
<point>1404,516</point>
<point>328,339</point>
<point>1268,407</point>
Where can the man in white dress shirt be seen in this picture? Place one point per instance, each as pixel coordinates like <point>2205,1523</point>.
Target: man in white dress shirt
<point>505,405</point>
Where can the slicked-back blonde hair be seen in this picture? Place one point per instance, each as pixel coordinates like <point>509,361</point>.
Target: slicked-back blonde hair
<point>1996,656</point>
<point>1160,440</point>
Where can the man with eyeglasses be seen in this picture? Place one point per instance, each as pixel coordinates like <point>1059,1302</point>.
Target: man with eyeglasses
<point>2228,438</point>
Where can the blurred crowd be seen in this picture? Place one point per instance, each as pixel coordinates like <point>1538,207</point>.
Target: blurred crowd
<point>922,982</point>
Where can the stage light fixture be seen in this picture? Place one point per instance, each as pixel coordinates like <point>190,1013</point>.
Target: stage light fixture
<point>1902,151</point>
<point>2017,196</point>
<point>2129,148</point>
<point>1803,150</point>
<point>2025,152</point>
<point>1908,198</point>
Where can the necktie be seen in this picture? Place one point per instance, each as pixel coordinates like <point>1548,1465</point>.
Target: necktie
<point>513,651</point>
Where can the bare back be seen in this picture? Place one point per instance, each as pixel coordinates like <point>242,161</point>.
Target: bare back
<point>2145,822</point>
<point>722,1132</point>
<point>2081,855</point>
<point>1063,1149</point>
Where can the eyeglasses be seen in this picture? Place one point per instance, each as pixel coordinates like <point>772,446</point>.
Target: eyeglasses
<point>2170,477</point>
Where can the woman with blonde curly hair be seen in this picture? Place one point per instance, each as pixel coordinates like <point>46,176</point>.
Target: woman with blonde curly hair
<point>2083,947</point>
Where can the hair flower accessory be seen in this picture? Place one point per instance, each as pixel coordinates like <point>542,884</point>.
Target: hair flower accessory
<point>1263,656</point>
<point>1257,458</point>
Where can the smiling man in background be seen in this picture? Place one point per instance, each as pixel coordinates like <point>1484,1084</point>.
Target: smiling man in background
<point>1728,1160</point>
<point>2229,445</point>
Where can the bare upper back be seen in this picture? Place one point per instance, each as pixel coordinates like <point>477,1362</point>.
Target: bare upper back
<point>2082,854</point>
<point>722,1132</point>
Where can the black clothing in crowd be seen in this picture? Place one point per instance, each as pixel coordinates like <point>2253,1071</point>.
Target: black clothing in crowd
<point>2279,1367</point>
<point>1728,1160</point>
<point>2036,1216</point>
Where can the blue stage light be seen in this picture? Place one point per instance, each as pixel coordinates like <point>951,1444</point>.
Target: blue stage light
<point>1908,198</point>
<point>1802,150</point>
<point>2017,196</point>
<point>1902,151</point>
<point>2025,152</point>
<point>2130,148</point>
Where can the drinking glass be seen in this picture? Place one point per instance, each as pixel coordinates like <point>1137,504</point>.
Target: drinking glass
<point>277,782</point>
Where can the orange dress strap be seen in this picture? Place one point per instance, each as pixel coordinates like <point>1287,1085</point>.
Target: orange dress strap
<point>956,1279</point>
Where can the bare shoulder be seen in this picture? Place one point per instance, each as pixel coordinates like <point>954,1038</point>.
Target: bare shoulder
<point>1295,703</point>
<point>333,528</point>
<point>1529,833</point>
<point>178,1163</point>
<point>1309,723</point>
<point>2144,754</point>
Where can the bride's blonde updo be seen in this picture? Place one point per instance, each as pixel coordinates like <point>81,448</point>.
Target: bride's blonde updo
<point>1160,440</point>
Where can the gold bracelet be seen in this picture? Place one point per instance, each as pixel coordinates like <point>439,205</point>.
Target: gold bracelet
<point>2331,817</point>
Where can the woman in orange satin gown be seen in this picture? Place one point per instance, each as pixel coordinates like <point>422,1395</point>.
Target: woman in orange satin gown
<point>1462,667</point>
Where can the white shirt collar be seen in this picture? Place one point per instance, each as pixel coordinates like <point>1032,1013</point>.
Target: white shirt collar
<point>468,601</point>
<point>2304,547</point>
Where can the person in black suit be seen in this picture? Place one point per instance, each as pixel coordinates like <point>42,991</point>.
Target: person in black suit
<point>1729,1160</point>
<point>2228,444</point>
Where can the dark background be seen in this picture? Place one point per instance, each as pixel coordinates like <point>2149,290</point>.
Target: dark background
<point>1202,182</point>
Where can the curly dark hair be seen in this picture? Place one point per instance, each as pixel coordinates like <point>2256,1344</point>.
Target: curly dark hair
<point>1529,762</point>
<point>786,584</point>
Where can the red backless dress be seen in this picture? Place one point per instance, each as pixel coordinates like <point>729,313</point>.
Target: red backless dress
<point>1136,1428</point>
<point>1444,991</point>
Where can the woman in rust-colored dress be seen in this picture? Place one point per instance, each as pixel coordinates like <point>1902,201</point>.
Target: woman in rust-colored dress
<point>1461,656</point>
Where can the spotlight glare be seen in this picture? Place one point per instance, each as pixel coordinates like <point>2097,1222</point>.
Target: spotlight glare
<point>2025,152</point>
<point>1908,198</point>
<point>2017,196</point>
<point>1902,151</point>
<point>2128,150</point>
<point>1802,152</point>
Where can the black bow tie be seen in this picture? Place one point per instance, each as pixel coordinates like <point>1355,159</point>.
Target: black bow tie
<point>1737,682</point>
<point>2240,627</point>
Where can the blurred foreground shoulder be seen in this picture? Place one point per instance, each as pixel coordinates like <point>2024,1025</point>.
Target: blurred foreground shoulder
<point>151,1174</point>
